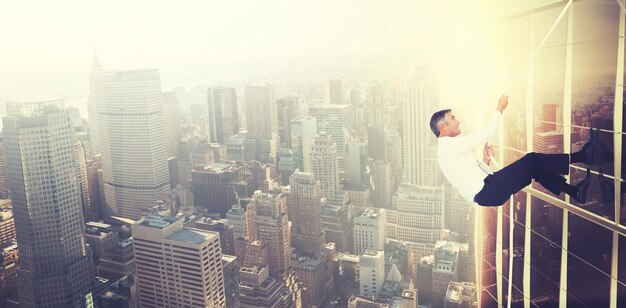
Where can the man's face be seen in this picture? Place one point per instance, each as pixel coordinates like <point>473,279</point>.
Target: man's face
<point>452,125</point>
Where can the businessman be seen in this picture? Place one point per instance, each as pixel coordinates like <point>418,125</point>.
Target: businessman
<point>474,180</point>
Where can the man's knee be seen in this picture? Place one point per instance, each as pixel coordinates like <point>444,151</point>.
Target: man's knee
<point>531,156</point>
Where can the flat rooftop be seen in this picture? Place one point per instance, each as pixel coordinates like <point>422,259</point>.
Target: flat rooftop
<point>157,222</point>
<point>191,236</point>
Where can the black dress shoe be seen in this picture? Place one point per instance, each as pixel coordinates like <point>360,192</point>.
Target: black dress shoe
<point>590,148</point>
<point>581,195</point>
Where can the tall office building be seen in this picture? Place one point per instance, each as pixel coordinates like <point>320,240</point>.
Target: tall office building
<point>55,269</point>
<point>420,161</point>
<point>213,186</point>
<point>92,105</point>
<point>382,181</point>
<point>288,109</point>
<point>445,268</point>
<point>305,212</point>
<point>375,108</point>
<point>355,155</point>
<point>315,274</point>
<point>96,194</point>
<point>173,130</point>
<point>335,92</point>
<point>393,155</point>
<point>336,120</point>
<point>237,216</point>
<point>4,185</point>
<point>417,216</point>
<point>286,165</point>
<point>89,212</point>
<point>549,142</point>
<point>118,261</point>
<point>303,131</point>
<point>223,114</point>
<point>177,266</point>
<point>268,221</point>
<point>221,226</point>
<point>369,229</point>
<point>325,164</point>
<point>131,126</point>
<point>337,227</point>
<point>549,120</point>
<point>262,124</point>
<point>371,271</point>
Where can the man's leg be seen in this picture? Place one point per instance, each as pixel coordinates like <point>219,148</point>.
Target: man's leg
<point>545,168</point>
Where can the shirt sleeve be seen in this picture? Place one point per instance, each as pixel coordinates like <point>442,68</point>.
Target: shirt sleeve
<point>467,143</point>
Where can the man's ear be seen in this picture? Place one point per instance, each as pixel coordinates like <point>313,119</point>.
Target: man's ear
<point>442,127</point>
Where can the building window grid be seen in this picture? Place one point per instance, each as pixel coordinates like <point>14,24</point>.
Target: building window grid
<point>616,228</point>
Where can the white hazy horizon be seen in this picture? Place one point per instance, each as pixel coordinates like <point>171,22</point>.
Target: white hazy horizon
<point>48,46</point>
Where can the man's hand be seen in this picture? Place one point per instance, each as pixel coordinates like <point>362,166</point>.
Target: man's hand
<point>503,102</point>
<point>488,151</point>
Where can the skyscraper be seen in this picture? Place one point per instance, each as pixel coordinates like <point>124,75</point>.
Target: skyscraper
<point>303,131</point>
<point>369,229</point>
<point>223,114</point>
<point>4,188</point>
<point>237,216</point>
<point>336,120</point>
<point>89,212</point>
<point>325,164</point>
<point>262,124</point>
<point>172,123</point>
<point>372,271</point>
<point>417,217</point>
<point>132,139</point>
<point>420,161</point>
<point>55,269</point>
<point>189,272</point>
<point>92,105</point>
<point>213,185</point>
<point>288,109</point>
<point>305,212</point>
<point>267,221</point>
<point>382,182</point>
<point>335,92</point>
<point>356,160</point>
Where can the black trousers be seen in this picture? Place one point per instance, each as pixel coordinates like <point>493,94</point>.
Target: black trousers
<point>543,168</point>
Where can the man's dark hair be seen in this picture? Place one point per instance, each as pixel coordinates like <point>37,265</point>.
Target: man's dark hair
<point>438,117</point>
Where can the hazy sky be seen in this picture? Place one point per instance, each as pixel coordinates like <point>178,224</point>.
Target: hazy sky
<point>46,40</point>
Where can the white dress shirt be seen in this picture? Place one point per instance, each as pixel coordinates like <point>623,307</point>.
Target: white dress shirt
<point>459,164</point>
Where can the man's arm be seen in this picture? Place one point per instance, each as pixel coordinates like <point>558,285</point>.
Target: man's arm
<point>468,143</point>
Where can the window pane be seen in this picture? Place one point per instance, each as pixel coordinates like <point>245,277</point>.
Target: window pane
<point>489,219</point>
<point>514,48</point>
<point>546,236</point>
<point>517,250</point>
<point>595,39</point>
<point>589,260</point>
<point>600,194</point>
<point>548,138</point>
<point>621,273</point>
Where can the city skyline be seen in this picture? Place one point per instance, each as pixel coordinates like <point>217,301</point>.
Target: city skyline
<point>279,154</point>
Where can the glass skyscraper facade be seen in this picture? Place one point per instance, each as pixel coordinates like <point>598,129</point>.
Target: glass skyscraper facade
<point>564,61</point>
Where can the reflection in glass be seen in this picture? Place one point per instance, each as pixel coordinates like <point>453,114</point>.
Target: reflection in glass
<point>621,273</point>
<point>589,260</point>
<point>546,249</point>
